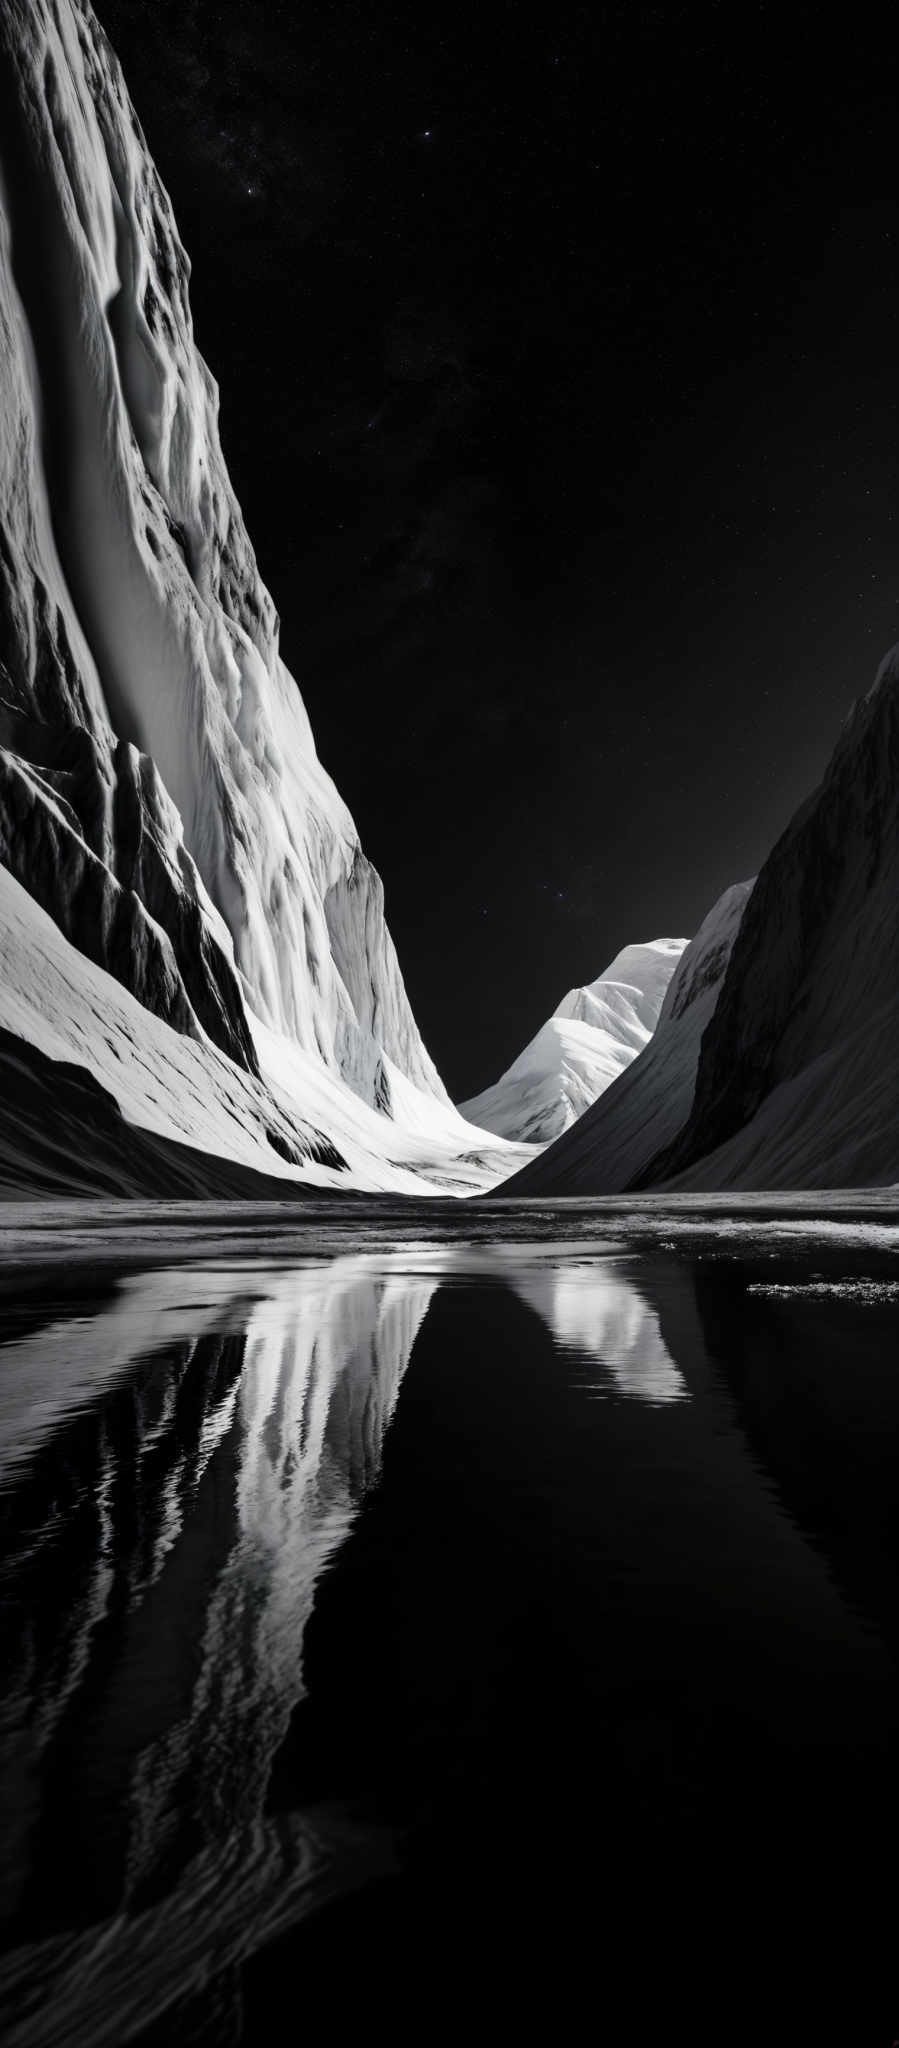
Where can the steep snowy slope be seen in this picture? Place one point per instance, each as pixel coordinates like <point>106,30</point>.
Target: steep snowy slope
<point>587,1042</point>
<point>643,1110</point>
<point>98,1095</point>
<point>160,793</point>
<point>798,1083</point>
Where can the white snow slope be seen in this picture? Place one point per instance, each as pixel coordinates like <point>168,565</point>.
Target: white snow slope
<point>160,792</point>
<point>582,1048</point>
<point>188,1094</point>
<point>645,1107</point>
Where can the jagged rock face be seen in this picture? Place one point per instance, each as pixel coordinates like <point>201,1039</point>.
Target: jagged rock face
<point>86,826</point>
<point>798,1082</point>
<point>590,1039</point>
<point>612,1146</point>
<point>160,792</point>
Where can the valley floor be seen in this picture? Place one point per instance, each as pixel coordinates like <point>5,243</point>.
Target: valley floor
<point>113,1232</point>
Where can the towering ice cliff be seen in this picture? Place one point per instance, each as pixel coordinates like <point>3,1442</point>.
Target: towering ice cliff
<point>160,793</point>
<point>582,1048</point>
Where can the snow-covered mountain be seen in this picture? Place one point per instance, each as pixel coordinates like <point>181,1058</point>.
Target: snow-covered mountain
<point>161,799</point>
<point>776,1059</point>
<point>582,1048</point>
<point>798,1082</point>
<point>610,1147</point>
<point>197,978</point>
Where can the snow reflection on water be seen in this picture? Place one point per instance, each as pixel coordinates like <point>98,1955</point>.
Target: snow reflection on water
<point>165,1544</point>
<point>200,1443</point>
<point>597,1312</point>
<point>179,1465</point>
<point>184,1456</point>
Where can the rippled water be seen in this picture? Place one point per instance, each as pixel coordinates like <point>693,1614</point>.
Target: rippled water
<point>426,1632</point>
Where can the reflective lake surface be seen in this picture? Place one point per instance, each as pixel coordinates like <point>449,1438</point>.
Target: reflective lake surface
<point>415,1632</point>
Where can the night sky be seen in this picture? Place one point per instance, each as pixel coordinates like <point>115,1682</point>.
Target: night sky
<point>559,388</point>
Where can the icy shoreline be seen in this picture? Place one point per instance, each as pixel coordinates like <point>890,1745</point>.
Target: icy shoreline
<point>127,1232</point>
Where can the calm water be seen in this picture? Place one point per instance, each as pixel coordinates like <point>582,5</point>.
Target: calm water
<point>422,1635</point>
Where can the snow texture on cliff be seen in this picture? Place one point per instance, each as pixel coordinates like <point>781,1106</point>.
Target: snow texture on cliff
<point>160,792</point>
<point>99,1095</point>
<point>582,1048</point>
<point>610,1147</point>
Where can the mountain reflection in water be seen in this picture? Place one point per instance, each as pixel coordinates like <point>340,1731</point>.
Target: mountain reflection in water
<point>182,1461</point>
<point>162,1550</point>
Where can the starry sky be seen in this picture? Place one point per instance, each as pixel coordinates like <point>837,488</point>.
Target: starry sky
<point>558,367</point>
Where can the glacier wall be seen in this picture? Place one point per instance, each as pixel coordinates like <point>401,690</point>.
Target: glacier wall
<point>160,791</point>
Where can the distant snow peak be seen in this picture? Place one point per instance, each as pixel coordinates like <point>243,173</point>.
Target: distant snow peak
<point>646,1103</point>
<point>589,1040</point>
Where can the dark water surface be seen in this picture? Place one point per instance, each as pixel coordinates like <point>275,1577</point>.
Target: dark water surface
<point>432,1636</point>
